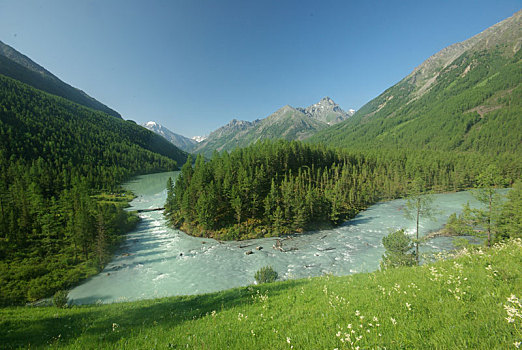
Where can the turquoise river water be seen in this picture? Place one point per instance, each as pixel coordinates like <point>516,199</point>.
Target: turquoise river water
<point>157,261</point>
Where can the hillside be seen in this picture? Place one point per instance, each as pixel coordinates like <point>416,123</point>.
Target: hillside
<point>467,97</point>
<point>472,302</point>
<point>60,203</point>
<point>15,65</point>
<point>177,140</point>
<point>37,125</point>
<point>286,123</point>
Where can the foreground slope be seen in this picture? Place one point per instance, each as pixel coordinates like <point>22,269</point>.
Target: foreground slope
<point>20,67</point>
<point>467,303</point>
<point>468,97</point>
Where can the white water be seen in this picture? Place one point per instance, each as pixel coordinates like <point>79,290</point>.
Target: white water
<point>157,261</point>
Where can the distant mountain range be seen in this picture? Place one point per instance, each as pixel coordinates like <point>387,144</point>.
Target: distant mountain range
<point>287,123</point>
<point>198,138</point>
<point>179,141</point>
<point>467,97</point>
<point>15,65</point>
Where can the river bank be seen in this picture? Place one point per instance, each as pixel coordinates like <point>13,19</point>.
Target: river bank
<point>156,260</point>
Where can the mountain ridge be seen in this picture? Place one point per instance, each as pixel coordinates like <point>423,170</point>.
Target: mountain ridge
<point>184,143</point>
<point>286,123</point>
<point>466,97</point>
<point>18,66</point>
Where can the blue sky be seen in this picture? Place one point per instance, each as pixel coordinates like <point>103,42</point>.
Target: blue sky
<point>194,65</point>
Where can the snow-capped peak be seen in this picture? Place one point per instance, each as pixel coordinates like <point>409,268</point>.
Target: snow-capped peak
<point>199,138</point>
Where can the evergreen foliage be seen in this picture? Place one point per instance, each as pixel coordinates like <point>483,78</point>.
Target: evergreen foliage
<point>54,157</point>
<point>19,67</point>
<point>265,275</point>
<point>398,253</point>
<point>474,105</point>
<point>60,298</point>
<point>497,220</point>
<point>275,188</point>
<point>418,205</point>
<point>510,221</point>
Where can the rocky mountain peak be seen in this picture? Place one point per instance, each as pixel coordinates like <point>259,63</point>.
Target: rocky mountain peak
<point>237,123</point>
<point>179,141</point>
<point>327,100</point>
<point>326,111</point>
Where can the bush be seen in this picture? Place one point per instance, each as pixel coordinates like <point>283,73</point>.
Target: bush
<point>265,275</point>
<point>60,298</point>
<point>398,246</point>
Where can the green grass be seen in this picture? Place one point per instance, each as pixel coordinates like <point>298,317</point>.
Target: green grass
<point>451,304</point>
<point>119,199</point>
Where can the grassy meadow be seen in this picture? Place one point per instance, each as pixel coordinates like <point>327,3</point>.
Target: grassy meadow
<point>470,301</point>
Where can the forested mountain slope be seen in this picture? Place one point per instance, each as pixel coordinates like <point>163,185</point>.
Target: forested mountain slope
<point>468,97</point>
<point>56,158</point>
<point>37,125</point>
<point>20,67</point>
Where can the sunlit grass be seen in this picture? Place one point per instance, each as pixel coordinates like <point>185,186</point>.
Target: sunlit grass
<point>119,199</point>
<point>472,302</point>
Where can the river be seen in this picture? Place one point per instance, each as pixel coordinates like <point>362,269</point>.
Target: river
<point>157,261</point>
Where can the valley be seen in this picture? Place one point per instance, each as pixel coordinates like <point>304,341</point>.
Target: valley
<point>158,261</point>
<point>303,228</point>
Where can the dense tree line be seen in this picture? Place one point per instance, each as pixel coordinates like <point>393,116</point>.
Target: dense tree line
<point>55,157</point>
<point>274,188</point>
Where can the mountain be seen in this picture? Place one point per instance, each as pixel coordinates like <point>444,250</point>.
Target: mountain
<point>467,97</point>
<point>15,65</point>
<point>326,111</point>
<point>179,141</point>
<point>287,123</point>
<point>199,138</point>
<point>35,125</point>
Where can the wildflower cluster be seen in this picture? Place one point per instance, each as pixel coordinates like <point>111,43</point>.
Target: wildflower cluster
<point>435,274</point>
<point>513,309</point>
<point>456,282</point>
<point>336,300</point>
<point>353,335</point>
<point>262,298</point>
<point>396,289</point>
<point>493,273</point>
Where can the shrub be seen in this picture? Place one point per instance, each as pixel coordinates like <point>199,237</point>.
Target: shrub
<point>398,246</point>
<point>60,298</point>
<point>265,275</point>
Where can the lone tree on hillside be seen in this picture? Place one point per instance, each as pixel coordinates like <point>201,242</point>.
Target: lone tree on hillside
<point>418,205</point>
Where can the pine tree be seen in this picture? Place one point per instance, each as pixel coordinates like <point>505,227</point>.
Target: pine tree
<point>398,248</point>
<point>418,205</point>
